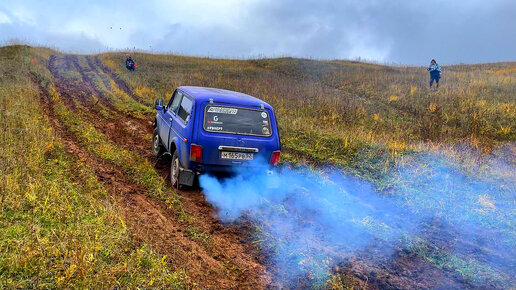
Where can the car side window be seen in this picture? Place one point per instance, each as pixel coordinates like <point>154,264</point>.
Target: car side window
<point>174,101</point>
<point>185,109</point>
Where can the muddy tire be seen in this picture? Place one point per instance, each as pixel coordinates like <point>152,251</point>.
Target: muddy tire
<point>157,147</point>
<point>174,170</point>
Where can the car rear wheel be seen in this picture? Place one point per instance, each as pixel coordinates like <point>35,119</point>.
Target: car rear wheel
<point>174,171</point>
<point>157,147</point>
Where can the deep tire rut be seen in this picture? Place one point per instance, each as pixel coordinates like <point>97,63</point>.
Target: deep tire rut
<point>89,83</point>
<point>119,82</point>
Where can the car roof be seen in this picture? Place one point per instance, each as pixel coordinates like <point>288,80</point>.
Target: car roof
<point>221,96</point>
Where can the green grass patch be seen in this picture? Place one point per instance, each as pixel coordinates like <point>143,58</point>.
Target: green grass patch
<point>58,226</point>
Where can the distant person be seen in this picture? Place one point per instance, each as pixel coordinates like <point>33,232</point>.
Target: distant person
<point>435,73</point>
<point>129,62</point>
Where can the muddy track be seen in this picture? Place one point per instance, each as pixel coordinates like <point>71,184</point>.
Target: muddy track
<point>129,197</point>
<point>152,222</point>
<point>229,259</point>
<point>131,122</point>
<point>92,65</point>
<point>90,86</point>
<point>401,269</point>
<point>51,66</point>
<point>96,69</point>
<point>126,133</point>
<point>119,82</point>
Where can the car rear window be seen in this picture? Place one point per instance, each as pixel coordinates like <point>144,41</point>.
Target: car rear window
<point>235,120</point>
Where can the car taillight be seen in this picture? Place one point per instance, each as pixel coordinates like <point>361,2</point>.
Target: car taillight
<point>275,158</point>
<point>195,153</point>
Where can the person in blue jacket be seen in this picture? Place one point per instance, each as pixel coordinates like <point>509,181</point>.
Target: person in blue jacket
<point>435,72</point>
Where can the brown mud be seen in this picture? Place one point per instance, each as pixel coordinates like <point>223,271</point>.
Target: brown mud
<point>119,82</point>
<point>227,260</point>
<point>226,257</point>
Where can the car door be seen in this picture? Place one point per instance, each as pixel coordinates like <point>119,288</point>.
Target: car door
<point>167,117</point>
<point>182,127</point>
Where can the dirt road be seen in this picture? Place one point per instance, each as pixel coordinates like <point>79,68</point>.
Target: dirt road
<point>227,260</point>
<point>213,255</point>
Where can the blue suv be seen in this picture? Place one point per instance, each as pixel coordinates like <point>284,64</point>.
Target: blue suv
<point>214,130</point>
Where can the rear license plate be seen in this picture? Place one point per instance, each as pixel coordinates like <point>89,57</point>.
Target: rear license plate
<point>236,155</point>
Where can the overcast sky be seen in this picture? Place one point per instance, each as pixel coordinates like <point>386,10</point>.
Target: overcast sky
<point>400,31</point>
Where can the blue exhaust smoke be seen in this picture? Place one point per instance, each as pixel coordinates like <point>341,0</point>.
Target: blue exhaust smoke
<point>308,221</point>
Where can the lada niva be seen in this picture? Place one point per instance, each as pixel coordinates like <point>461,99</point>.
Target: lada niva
<point>214,130</point>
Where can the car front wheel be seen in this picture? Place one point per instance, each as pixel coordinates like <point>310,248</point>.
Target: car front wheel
<point>174,170</point>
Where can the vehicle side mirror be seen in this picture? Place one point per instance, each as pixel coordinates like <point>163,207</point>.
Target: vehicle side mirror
<point>159,104</point>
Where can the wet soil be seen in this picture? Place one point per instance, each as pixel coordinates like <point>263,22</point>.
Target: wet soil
<point>228,258</point>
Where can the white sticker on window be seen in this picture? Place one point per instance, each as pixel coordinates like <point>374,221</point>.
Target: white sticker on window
<point>221,110</point>
<point>264,115</point>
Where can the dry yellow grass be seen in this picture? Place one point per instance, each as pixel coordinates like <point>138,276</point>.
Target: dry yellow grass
<point>58,225</point>
<point>370,106</point>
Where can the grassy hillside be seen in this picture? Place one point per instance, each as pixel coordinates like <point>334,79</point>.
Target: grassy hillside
<point>360,116</point>
<point>84,203</point>
<point>59,225</point>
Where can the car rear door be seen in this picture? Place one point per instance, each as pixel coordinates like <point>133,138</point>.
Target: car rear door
<point>228,149</point>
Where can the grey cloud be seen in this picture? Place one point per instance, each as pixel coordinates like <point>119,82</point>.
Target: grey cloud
<point>76,43</point>
<point>263,30</point>
<point>186,39</point>
<point>38,35</point>
<point>412,31</point>
<point>452,33</point>
<point>408,32</point>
